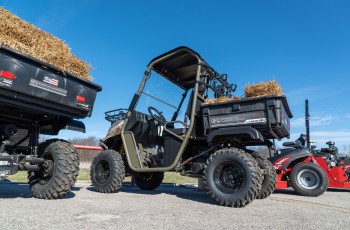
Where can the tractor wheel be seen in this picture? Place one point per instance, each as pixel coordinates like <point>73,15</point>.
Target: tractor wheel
<point>269,176</point>
<point>232,177</point>
<point>309,179</point>
<point>149,181</point>
<point>107,171</point>
<point>59,171</point>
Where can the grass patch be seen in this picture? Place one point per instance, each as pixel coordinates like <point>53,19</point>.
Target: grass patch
<point>84,175</point>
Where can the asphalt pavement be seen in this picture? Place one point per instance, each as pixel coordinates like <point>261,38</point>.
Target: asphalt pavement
<point>168,207</point>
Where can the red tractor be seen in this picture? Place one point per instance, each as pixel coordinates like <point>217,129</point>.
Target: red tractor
<point>308,171</point>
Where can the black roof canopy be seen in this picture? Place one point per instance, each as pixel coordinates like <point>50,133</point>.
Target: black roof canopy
<point>179,66</point>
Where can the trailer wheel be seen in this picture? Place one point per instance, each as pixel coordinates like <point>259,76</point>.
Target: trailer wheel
<point>269,177</point>
<point>59,171</point>
<point>149,181</point>
<point>232,177</point>
<point>309,179</point>
<point>107,171</point>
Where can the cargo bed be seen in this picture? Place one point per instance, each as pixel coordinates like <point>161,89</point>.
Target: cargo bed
<point>34,91</point>
<point>269,115</point>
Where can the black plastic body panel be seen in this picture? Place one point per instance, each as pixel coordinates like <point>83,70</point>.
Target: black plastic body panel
<point>293,153</point>
<point>269,115</point>
<point>246,134</point>
<point>40,92</point>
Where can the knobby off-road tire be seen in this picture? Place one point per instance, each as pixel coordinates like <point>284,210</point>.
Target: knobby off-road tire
<point>232,177</point>
<point>59,171</point>
<point>149,181</point>
<point>309,179</point>
<point>268,185</point>
<point>107,171</point>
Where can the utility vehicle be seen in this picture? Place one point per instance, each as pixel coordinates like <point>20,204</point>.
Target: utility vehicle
<point>307,170</point>
<point>37,98</point>
<point>169,127</point>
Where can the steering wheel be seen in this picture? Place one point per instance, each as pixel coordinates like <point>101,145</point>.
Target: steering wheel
<point>157,115</point>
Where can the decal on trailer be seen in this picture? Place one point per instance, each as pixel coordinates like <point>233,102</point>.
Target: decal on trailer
<point>253,121</point>
<point>48,87</point>
<point>50,80</point>
<point>5,82</point>
<point>83,105</point>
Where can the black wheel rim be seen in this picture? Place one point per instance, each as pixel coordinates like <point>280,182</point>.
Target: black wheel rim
<point>47,168</point>
<point>102,171</point>
<point>229,177</point>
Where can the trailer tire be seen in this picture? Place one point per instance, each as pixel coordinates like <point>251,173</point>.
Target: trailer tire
<point>268,185</point>
<point>309,179</point>
<point>232,177</point>
<point>107,171</point>
<point>59,172</point>
<point>149,181</point>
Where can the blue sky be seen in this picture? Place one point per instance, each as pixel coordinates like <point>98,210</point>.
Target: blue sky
<point>304,45</point>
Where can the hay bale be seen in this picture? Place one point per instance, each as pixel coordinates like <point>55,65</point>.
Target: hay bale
<point>262,89</point>
<point>221,99</point>
<point>26,38</point>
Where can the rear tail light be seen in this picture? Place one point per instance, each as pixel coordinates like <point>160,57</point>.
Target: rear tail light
<point>81,99</point>
<point>7,75</point>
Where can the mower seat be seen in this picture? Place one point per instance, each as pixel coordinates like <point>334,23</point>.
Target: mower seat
<point>292,144</point>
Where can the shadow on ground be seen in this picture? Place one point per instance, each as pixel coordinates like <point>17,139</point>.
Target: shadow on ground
<point>11,190</point>
<point>187,192</point>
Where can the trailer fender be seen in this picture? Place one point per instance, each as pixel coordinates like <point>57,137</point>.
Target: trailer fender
<point>242,132</point>
<point>75,125</point>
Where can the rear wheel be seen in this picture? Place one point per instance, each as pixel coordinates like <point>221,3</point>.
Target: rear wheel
<point>107,171</point>
<point>149,181</point>
<point>269,176</point>
<point>309,179</point>
<point>59,171</point>
<point>232,177</point>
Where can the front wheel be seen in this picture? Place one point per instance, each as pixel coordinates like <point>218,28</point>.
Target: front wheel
<point>59,171</point>
<point>232,177</point>
<point>107,171</point>
<point>309,179</point>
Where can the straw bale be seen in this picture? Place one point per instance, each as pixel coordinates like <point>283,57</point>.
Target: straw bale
<point>262,89</point>
<point>26,38</point>
<point>221,99</point>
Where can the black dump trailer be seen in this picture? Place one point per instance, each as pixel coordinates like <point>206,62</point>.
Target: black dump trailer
<point>37,98</point>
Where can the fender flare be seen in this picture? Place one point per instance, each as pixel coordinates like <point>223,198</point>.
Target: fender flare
<point>247,132</point>
<point>304,156</point>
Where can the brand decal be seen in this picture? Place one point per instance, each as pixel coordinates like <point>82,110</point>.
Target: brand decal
<point>219,120</point>
<point>5,82</point>
<point>235,120</point>
<point>50,80</point>
<point>48,87</point>
<point>279,164</point>
<point>83,105</point>
<point>253,121</point>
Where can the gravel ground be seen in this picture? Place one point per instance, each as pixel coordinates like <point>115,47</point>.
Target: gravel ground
<point>168,207</point>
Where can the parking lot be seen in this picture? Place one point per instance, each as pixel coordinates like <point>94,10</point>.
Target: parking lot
<point>168,207</point>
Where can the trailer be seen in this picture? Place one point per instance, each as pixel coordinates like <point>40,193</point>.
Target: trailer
<point>38,98</point>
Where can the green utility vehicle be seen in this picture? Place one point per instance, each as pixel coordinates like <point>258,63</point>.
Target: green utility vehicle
<point>169,127</point>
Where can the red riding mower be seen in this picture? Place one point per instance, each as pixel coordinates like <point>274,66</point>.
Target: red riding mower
<point>308,171</point>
